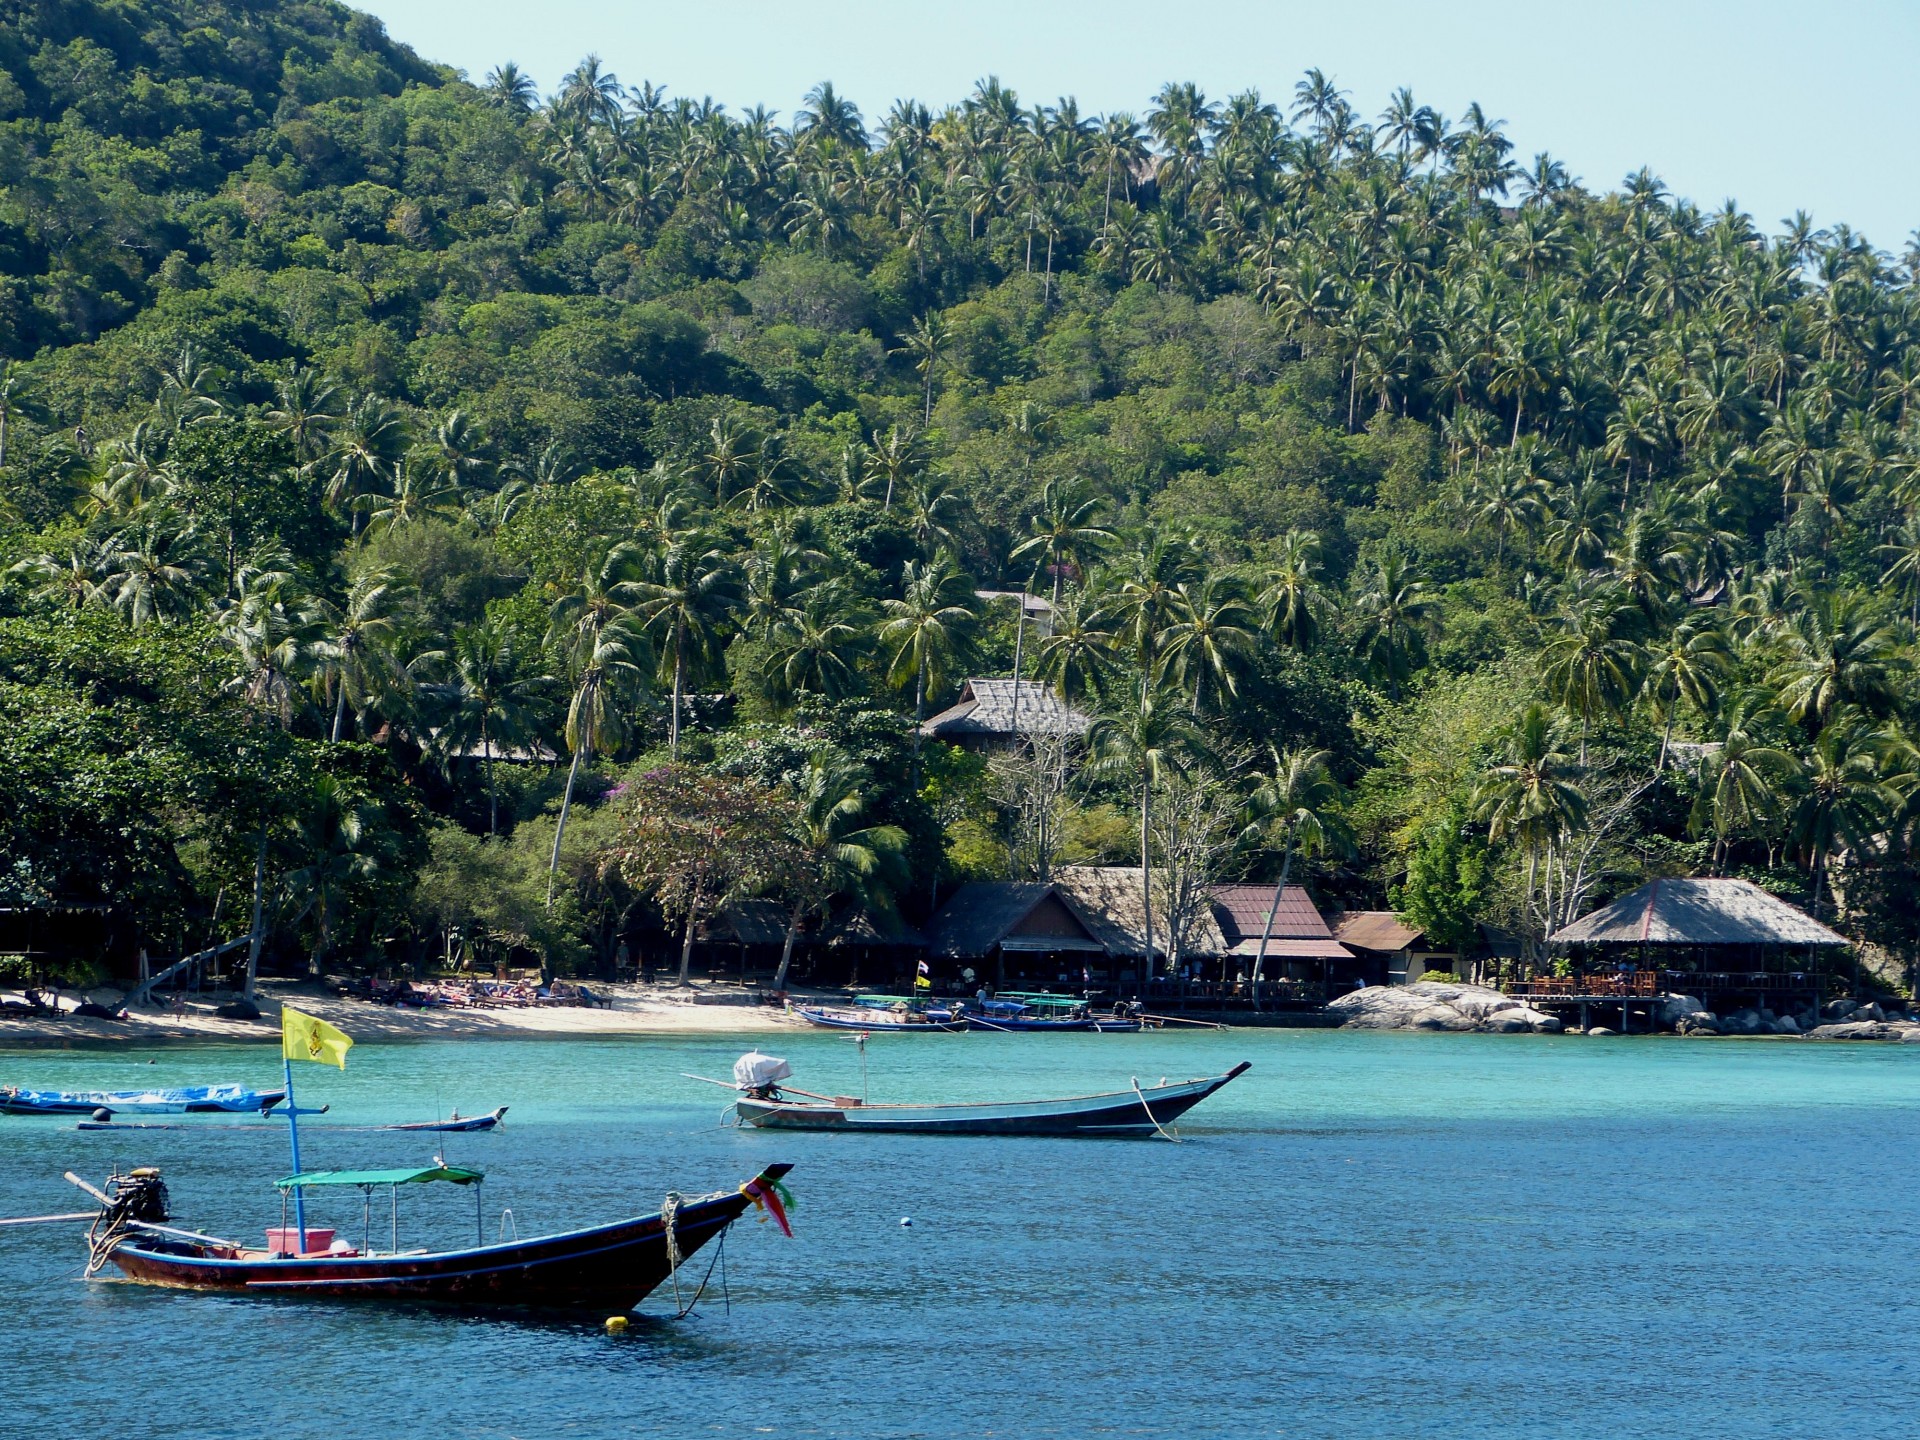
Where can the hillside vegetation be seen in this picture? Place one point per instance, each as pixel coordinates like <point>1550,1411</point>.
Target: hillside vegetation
<point>1468,538</point>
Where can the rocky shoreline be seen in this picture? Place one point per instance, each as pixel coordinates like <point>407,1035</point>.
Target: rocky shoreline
<point>1429,1005</point>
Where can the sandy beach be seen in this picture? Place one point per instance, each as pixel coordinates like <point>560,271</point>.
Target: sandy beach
<point>636,1010</point>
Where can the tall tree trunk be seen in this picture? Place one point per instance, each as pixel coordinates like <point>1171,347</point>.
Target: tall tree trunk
<point>560,830</point>
<point>686,943</point>
<point>673,735</point>
<point>1279,891</point>
<point>493,795</point>
<point>1146,871</point>
<point>339,708</point>
<point>786,950</point>
<point>919,718</point>
<point>255,938</point>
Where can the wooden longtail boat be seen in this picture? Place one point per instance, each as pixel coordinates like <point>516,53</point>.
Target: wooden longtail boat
<point>456,1122</point>
<point>180,1100</point>
<point>925,1022</point>
<point>1137,1111</point>
<point>607,1269</point>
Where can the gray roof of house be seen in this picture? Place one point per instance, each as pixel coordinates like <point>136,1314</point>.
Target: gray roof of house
<point>981,913</point>
<point>1107,899</point>
<point>1698,912</point>
<point>986,707</point>
<point>752,922</point>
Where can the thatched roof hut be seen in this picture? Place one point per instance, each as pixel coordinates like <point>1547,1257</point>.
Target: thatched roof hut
<point>985,712</point>
<point>1703,913</point>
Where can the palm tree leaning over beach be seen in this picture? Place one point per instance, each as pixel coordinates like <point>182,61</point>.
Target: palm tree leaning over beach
<point>1297,798</point>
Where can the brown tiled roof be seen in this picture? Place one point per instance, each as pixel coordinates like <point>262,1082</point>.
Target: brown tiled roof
<point>986,707</point>
<point>1376,930</point>
<point>1298,931</point>
<point>1698,912</point>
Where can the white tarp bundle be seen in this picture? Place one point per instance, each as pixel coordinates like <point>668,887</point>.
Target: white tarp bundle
<point>755,1071</point>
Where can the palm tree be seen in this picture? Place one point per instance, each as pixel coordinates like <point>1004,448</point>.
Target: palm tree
<point>1290,601</point>
<point>331,834</point>
<point>1686,664</point>
<point>366,452</point>
<point>419,493</point>
<point>1211,636</point>
<point>1838,653</point>
<point>1065,530</point>
<point>153,572</point>
<point>892,463</point>
<point>836,853</point>
<point>1394,613</point>
<point>927,626</point>
<point>355,655</point>
<point>1144,743</point>
<point>817,650</point>
<point>1592,664</point>
<point>926,342</point>
<point>686,606</point>
<point>486,697</point>
<point>1843,801</point>
<point>1902,557</point>
<point>1532,794</point>
<point>606,674</point>
<point>1741,781</point>
<point>272,626</point>
<point>1298,798</point>
<point>306,409</point>
<point>1077,653</point>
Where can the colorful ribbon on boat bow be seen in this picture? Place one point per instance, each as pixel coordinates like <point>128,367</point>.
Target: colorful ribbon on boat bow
<point>770,1197</point>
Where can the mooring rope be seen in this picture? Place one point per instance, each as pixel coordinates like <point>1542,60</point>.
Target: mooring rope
<point>669,1213</point>
<point>1149,1109</point>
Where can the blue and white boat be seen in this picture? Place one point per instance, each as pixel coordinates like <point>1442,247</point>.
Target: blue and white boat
<point>178,1100</point>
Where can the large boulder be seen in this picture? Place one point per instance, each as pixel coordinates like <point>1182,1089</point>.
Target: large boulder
<point>1519,1020</point>
<point>1427,1005</point>
<point>1442,1017</point>
<point>1701,1022</point>
<point>1854,1030</point>
<point>1675,1008</point>
<point>1786,1025</point>
<point>1911,1037</point>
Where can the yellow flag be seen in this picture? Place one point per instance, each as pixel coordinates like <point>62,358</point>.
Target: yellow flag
<point>304,1038</point>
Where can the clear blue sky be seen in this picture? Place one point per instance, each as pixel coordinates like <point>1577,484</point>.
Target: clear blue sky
<point>1779,106</point>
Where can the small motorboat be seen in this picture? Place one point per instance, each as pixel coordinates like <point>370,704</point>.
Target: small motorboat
<point>1019,1013</point>
<point>1147,1110</point>
<point>455,1122</point>
<point>605,1269</point>
<point>181,1100</point>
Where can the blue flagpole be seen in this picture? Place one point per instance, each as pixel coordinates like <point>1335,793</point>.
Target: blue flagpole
<point>293,1134</point>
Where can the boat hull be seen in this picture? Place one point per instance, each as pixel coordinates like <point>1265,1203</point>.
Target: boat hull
<point>1105,1026</point>
<point>842,1020</point>
<point>191,1100</point>
<point>1122,1113</point>
<point>607,1269</point>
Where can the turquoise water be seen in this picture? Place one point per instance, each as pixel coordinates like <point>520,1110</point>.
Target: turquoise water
<point>1367,1235</point>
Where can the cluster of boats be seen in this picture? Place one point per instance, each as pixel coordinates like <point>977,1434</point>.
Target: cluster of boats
<point>608,1268</point>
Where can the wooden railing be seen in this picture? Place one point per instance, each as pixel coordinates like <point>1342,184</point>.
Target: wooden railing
<point>1627,984</point>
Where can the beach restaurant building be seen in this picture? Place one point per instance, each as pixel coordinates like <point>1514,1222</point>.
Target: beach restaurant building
<point>1718,938</point>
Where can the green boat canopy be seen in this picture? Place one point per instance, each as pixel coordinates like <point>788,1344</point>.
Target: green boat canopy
<point>450,1173</point>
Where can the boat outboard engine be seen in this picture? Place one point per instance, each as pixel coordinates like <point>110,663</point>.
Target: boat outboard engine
<point>758,1075</point>
<point>140,1195</point>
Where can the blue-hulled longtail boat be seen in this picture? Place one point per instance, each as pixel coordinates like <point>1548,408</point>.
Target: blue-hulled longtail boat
<point>183,1099</point>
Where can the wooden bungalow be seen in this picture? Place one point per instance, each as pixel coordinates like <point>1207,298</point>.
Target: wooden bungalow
<point>1019,932</point>
<point>1302,954</point>
<point>1390,951</point>
<point>1109,896</point>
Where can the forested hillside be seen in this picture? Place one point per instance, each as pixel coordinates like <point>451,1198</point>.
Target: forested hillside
<point>1473,539</point>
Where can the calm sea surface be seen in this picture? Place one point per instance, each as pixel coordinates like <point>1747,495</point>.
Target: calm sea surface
<point>1368,1235</point>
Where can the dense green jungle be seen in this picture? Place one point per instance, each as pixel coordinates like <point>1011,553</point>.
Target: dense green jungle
<point>487,521</point>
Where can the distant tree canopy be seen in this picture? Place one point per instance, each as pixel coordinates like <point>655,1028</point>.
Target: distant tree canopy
<point>364,423</point>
